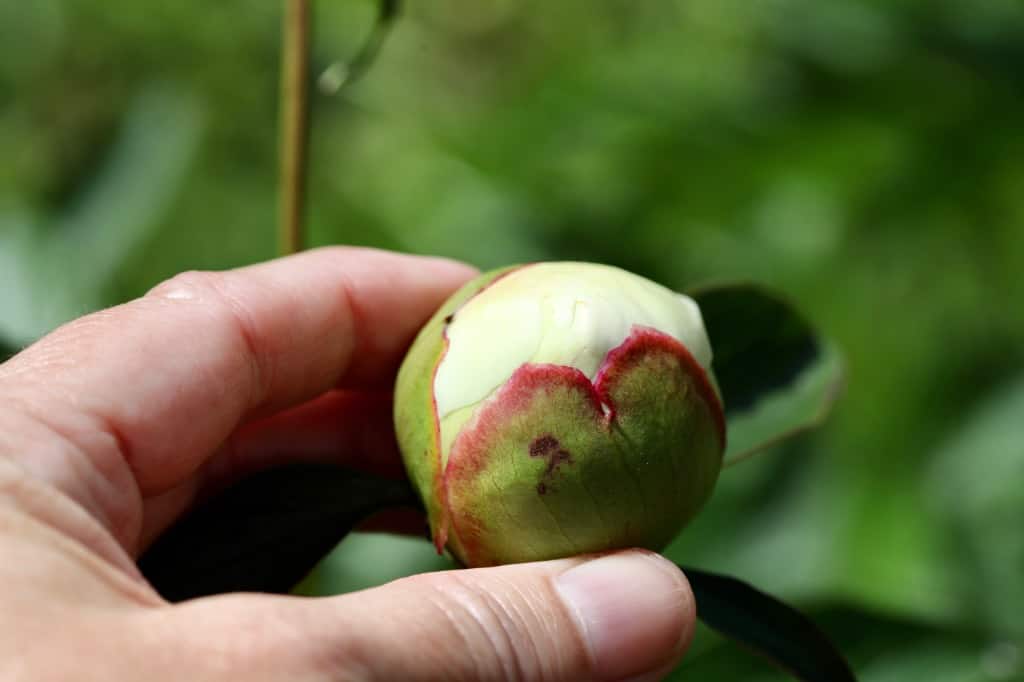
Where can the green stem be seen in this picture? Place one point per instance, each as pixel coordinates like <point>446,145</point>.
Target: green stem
<point>294,111</point>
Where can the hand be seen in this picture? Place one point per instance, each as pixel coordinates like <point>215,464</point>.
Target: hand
<point>112,426</point>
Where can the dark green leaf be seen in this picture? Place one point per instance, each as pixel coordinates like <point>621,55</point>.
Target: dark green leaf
<point>881,648</point>
<point>777,376</point>
<point>6,351</point>
<point>768,627</point>
<point>266,532</point>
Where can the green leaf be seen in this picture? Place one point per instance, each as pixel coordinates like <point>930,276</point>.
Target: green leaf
<point>768,627</point>
<point>266,532</point>
<point>777,376</point>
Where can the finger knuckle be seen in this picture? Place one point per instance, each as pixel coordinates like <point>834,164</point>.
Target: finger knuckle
<point>211,292</point>
<point>193,284</point>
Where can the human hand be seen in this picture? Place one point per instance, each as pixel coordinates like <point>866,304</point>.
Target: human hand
<point>115,424</point>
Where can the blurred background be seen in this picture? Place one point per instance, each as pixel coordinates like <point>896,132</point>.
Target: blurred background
<point>864,156</point>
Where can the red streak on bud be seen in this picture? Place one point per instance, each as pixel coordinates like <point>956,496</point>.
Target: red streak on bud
<point>641,342</point>
<point>469,451</point>
<point>471,448</point>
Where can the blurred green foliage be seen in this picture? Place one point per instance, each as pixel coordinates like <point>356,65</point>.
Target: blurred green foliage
<point>864,156</point>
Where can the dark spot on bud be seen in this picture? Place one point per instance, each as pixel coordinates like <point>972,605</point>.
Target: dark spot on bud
<point>542,445</point>
<point>548,448</point>
<point>448,318</point>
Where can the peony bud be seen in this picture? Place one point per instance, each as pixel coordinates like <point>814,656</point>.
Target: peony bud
<point>560,408</point>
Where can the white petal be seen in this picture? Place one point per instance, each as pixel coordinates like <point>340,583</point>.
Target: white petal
<point>561,313</point>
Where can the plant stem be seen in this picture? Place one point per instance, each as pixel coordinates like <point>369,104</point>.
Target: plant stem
<point>294,112</point>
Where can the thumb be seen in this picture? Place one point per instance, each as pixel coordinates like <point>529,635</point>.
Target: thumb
<point>613,617</point>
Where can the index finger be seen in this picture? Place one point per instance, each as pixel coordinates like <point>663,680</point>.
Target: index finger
<point>161,381</point>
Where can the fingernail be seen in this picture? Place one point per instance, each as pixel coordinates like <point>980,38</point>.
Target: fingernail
<point>634,609</point>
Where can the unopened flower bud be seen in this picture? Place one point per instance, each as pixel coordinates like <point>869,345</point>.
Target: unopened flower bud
<point>560,408</point>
